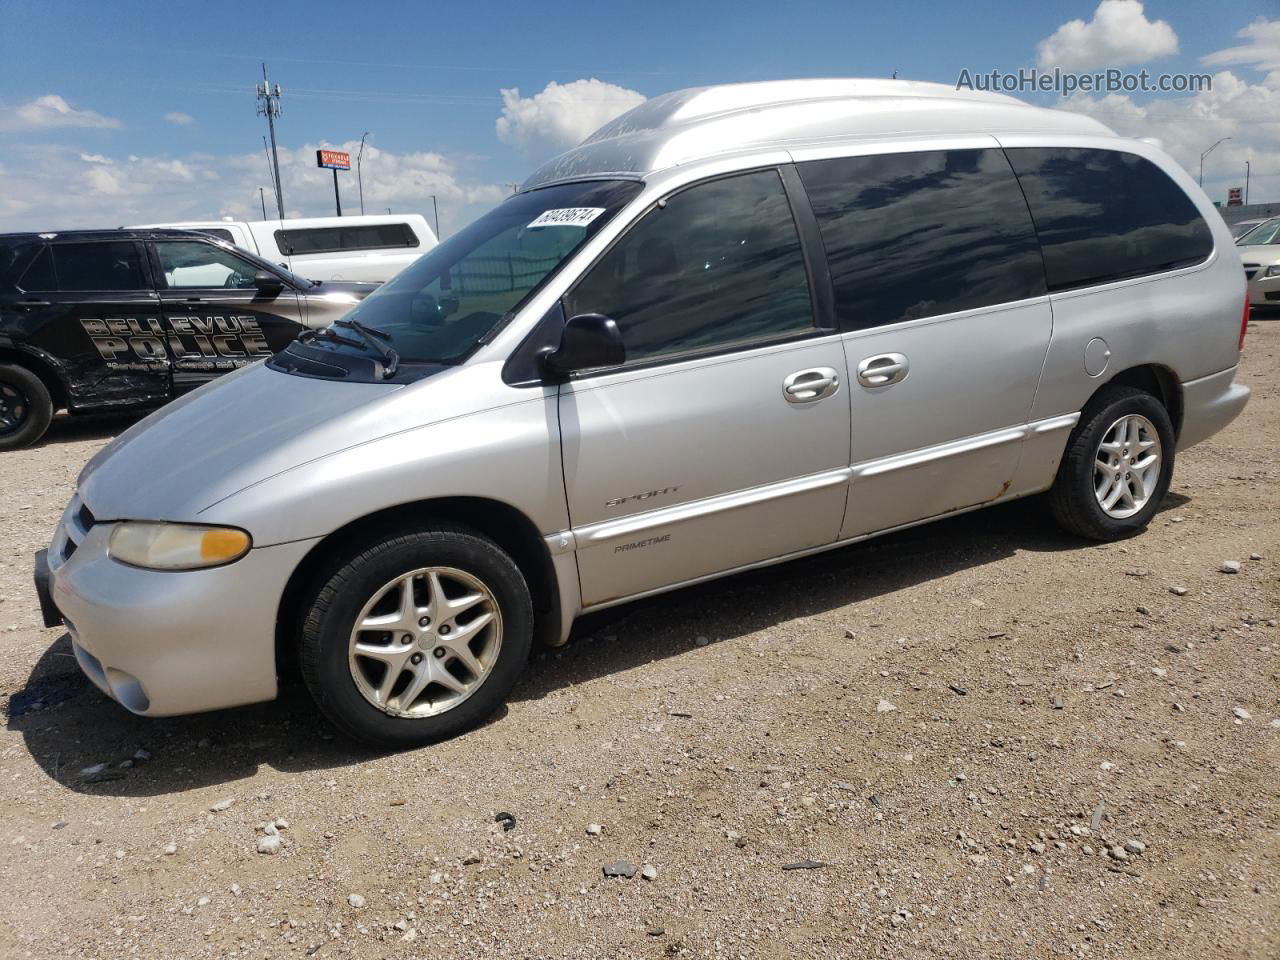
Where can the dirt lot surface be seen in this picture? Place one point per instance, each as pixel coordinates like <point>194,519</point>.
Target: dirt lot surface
<point>952,732</point>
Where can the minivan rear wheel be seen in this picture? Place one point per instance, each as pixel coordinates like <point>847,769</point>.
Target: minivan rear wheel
<point>26,408</point>
<point>1117,466</point>
<point>417,636</point>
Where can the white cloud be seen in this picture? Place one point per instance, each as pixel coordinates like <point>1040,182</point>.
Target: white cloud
<point>179,118</point>
<point>1261,48</point>
<point>49,112</point>
<point>1118,35</point>
<point>1248,113</point>
<point>561,116</point>
<point>104,181</point>
<point>50,187</point>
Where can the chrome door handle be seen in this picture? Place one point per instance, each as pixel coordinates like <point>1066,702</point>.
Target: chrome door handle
<point>806,386</point>
<point>882,370</point>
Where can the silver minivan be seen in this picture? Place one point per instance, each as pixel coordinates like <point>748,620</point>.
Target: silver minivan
<point>737,325</point>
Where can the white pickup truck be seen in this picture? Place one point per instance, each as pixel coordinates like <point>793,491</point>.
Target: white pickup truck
<point>370,248</point>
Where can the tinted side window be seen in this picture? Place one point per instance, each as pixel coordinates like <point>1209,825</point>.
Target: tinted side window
<point>114,265</point>
<point>39,275</point>
<point>1104,215</point>
<point>15,257</point>
<point>368,236</point>
<point>219,233</point>
<point>920,234</point>
<point>719,264</point>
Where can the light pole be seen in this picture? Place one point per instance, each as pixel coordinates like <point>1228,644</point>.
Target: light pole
<point>1205,154</point>
<point>1246,183</point>
<point>359,177</point>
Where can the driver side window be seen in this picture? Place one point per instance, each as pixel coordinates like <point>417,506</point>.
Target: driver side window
<point>193,265</point>
<point>717,265</point>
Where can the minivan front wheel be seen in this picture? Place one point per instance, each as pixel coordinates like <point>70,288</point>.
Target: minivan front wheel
<point>417,636</point>
<point>1117,467</point>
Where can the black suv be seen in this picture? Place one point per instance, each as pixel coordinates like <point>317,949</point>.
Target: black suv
<point>96,320</point>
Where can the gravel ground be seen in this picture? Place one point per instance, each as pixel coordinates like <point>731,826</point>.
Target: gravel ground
<point>977,738</point>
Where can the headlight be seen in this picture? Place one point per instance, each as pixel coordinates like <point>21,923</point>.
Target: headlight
<point>1273,271</point>
<point>176,546</point>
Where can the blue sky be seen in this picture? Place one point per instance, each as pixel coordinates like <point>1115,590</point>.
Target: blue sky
<point>426,79</point>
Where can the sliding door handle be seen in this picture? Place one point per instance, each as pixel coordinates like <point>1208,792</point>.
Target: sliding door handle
<point>882,370</point>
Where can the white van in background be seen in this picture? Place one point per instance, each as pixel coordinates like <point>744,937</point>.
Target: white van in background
<point>371,248</point>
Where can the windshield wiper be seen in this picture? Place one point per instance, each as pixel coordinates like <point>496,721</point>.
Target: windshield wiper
<point>327,333</point>
<point>377,339</point>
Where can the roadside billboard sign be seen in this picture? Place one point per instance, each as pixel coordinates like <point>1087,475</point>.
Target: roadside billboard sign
<point>333,159</point>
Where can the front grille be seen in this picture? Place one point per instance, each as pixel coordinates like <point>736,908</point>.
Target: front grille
<point>79,522</point>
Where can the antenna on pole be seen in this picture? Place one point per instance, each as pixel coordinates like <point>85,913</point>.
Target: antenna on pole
<point>269,107</point>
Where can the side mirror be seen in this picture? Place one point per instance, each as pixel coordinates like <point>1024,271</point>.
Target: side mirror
<point>268,283</point>
<point>589,341</point>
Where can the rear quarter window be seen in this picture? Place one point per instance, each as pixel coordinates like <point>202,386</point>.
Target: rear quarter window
<point>95,266</point>
<point>1103,215</point>
<point>15,258</point>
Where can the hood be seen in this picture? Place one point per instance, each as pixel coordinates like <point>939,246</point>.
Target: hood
<point>232,432</point>
<point>1265,254</point>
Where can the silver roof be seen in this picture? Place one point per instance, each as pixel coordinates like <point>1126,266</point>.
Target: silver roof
<point>703,122</point>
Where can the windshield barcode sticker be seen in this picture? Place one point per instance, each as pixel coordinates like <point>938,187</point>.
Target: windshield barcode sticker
<point>567,217</point>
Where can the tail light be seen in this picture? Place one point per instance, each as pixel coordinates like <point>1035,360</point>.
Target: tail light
<point>1244,323</point>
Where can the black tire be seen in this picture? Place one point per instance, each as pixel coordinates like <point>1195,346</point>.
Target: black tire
<point>1072,500</point>
<point>25,407</point>
<point>344,587</point>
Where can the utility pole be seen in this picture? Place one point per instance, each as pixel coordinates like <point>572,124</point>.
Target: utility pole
<point>266,152</point>
<point>269,106</point>
<point>263,200</point>
<point>359,176</point>
<point>1246,183</point>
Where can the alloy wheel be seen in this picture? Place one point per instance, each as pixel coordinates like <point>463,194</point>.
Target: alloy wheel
<point>1126,469</point>
<point>425,642</point>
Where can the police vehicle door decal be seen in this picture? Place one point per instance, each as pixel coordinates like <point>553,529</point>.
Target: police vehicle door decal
<point>99,318</point>
<point>216,318</point>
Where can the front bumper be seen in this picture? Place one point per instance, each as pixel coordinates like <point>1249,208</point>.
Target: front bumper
<point>1209,404</point>
<point>162,643</point>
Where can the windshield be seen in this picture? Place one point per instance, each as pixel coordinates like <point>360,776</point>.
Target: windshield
<point>440,307</point>
<point>1266,232</point>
